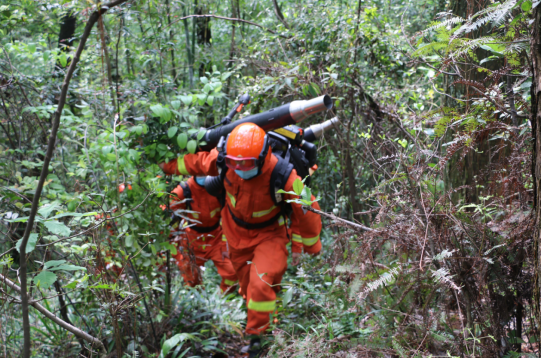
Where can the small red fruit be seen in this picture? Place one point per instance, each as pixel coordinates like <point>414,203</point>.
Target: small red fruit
<point>129,186</point>
<point>121,187</point>
<point>275,321</point>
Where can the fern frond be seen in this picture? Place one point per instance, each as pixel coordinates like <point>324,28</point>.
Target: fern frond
<point>399,349</point>
<point>494,14</point>
<point>466,46</point>
<point>517,46</point>
<point>443,255</point>
<point>384,279</point>
<point>444,276</point>
<point>453,21</point>
<point>355,286</point>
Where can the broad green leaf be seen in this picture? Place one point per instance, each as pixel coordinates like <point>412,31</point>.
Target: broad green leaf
<point>210,100</point>
<point>72,205</point>
<point>45,279</point>
<point>526,6</point>
<point>30,245</point>
<point>298,186</point>
<point>187,100</point>
<point>53,263</point>
<point>174,341</point>
<point>287,296</point>
<point>63,59</point>
<point>192,146</point>
<point>32,47</point>
<point>306,194</point>
<point>57,228</point>
<point>204,80</point>
<point>225,76</point>
<point>172,131</point>
<point>67,267</point>
<point>201,99</point>
<point>182,140</point>
<point>157,110</point>
<point>175,104</point>
<point>201,134</point>
<point>47,209</point>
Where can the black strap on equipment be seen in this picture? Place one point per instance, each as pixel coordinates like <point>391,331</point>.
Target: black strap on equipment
<point>279,176</point>
<point>251,226</point>
<point>205,229</point>
<point>187,194</point>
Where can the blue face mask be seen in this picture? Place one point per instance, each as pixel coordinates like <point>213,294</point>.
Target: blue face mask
<point>248,174</point>
<point>200,180</point>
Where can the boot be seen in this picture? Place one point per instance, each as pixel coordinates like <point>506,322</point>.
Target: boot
<point>255,348</point>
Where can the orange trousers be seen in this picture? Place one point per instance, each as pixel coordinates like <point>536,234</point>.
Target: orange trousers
<point>190,257</point>
<point>260,280</point>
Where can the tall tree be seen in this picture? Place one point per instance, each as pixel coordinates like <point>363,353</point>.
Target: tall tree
<point>535,44</point>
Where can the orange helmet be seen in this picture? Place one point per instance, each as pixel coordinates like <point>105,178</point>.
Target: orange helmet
<point>247,147</point>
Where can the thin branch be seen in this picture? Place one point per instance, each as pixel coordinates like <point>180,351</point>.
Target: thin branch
<point>336,218</point>
<point>228,19</point>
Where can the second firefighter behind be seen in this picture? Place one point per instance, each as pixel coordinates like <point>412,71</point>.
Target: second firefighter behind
<point>201,239</point>
<point>253,224</point>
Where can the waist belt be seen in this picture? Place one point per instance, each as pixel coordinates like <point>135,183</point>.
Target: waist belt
<point>205,229</point>
<point>250,226</point>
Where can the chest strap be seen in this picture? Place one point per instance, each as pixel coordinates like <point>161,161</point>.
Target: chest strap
<point>205,229</point>
<point>254,226</point>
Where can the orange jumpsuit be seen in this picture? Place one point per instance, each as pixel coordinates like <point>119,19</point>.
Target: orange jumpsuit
<point>310,245</point>
<point>196,247</point>
<point>258,255</point>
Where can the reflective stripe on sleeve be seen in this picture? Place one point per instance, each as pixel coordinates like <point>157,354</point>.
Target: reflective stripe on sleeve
<point>230,282</point>
<point>297,238</point>
<point>223,238</point>
<point>309,241</point>
<point>263,306</point>
<point>181,166</point>
<point>232,198</point>
<point>214,212</point>
<point>281,221</point>
<point>258,214</point>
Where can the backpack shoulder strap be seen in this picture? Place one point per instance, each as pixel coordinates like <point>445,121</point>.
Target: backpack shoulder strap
<point>279,176</point>
<point>187,194</point>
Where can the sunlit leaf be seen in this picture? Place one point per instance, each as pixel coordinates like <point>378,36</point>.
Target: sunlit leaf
<point>45,279</point>
<point>182,140</point>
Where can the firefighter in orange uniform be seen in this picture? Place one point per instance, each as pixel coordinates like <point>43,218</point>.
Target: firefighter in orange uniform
<point>203,237</point>
<point>252,223</point>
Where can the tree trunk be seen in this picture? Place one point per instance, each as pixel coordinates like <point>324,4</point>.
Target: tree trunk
<point>204,36</point>
<point>66,38</point>
<point>466,171</point>
<point>535,44</point>
<point>279,14</point>
<point>171,39</point>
